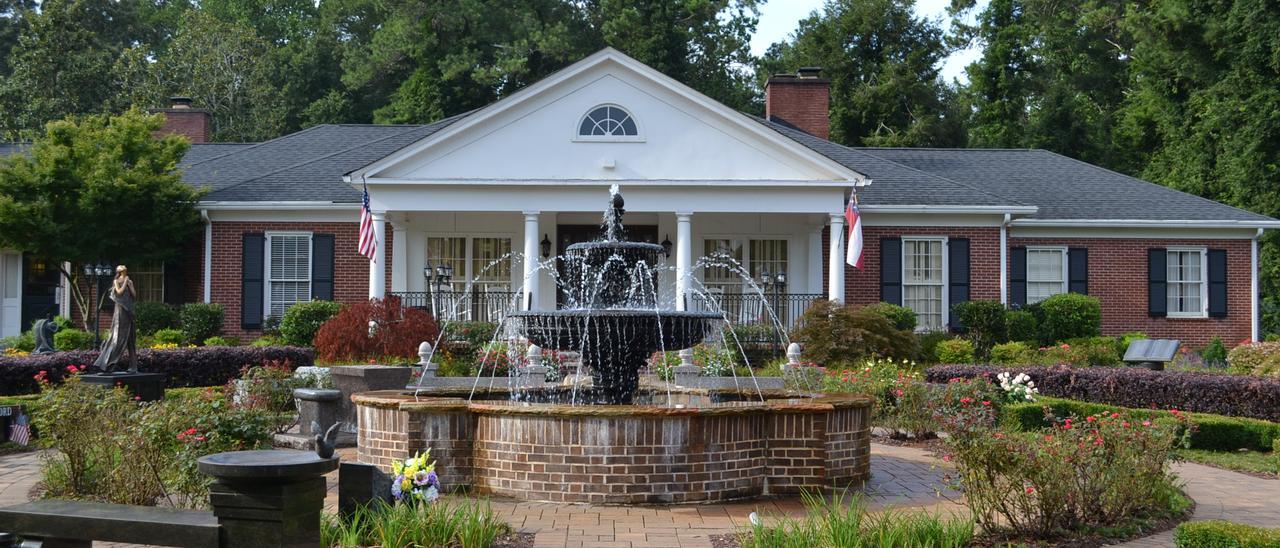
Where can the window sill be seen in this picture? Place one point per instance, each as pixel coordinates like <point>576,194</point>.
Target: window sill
<point>1187,317</point>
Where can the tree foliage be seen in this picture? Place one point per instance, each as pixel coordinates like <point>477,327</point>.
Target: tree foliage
<point>98,189</point>
<point>883,63</point>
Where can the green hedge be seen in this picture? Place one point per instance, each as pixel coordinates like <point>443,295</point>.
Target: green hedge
<point>1213,432</point>
<point>1224,534</point>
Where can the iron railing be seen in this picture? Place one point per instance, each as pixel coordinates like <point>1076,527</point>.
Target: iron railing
<point>479,305</point>
<point>751,309</point>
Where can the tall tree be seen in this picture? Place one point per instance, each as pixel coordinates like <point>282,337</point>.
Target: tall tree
<point>95,189</point>
<point>1052,75</point>
<point>63,62</point>
<point>12,16</point>
<point>221,66</point>
<point>883,64</point>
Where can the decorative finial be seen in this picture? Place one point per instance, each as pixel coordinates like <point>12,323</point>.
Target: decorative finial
<point>793,354</point>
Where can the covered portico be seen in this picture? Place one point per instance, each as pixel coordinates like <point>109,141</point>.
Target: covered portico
<point>484,233</point>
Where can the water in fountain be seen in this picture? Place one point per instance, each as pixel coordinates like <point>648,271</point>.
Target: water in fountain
<point>608,316</point>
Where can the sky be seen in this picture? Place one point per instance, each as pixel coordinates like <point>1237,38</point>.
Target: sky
<point>778,18</point>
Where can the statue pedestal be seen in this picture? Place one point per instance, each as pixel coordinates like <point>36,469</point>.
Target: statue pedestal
<point>147,386</point>
<point>268,498</point>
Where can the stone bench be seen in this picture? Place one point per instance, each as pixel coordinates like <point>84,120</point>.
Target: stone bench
<point>67,523</point>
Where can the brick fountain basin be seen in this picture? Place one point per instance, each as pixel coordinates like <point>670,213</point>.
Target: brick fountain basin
<point>712,449</point>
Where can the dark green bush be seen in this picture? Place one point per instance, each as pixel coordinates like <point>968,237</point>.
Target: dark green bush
<point>1070,316</point>
<point>1021,325</point>
<point>1211,432</point>
<point>1092,351</point>
<point>1224,534</point>
<point>302,320</point>
<point>153,316</point>
<point>73,339</point>
<point>1012,353</point>
<point>1215,354</point>
<point>844,334</point>
<point>901,317</point>
<point>983,324</point>
<point>24,341</point>
<point>201,321</point>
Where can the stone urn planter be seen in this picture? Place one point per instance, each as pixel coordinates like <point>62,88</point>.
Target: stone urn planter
<point>354,379</point>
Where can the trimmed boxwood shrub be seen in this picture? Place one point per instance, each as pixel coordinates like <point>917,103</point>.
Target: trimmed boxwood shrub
<point>1212,432</point>
<point>205,366</point>
<point>302,320</point>
<point>1069,316</point>
<point>1021,325</point>
<point>73,339</point>
<point>1231,395</point>
<point>168,336</point>
<point>151,316</point>
<point>201,321</point>
<point>955,351</point>
<point>1224,534</point>
<point>1013,352</point>
<point>901,317</point>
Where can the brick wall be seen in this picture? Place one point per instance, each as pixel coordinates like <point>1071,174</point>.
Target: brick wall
<point>1118,278</point>
<point>350,269</point>
<point>193,123</point>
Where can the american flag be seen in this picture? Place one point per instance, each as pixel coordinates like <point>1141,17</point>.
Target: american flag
<point>853,255</point>
<point>20,431</point>
<point>368,240</point>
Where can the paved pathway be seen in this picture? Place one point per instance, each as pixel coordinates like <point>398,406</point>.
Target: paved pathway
<point>901,477</point>
<point>1220,494</point>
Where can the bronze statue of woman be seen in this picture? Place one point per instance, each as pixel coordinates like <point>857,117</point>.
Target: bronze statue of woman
<point>123,333</point>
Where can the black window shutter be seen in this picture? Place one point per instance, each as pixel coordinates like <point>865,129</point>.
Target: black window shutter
<point>1078,270</point>
<point>173,283</point>
<point>322,267</point>
<point>251,282</point>
<point>891,270</point>
<point>1217,283</point>
<point>1018,276</point>
<point>1157,282</point>
<point>957,276</point>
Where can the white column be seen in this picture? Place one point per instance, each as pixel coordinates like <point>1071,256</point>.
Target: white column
<point>835,263</point>
<point>684,258</point>
<point>531,257</point>
<point>208,257</point>
<point>399,257</point>
<point>378,266</point>
<point>1253,289</point>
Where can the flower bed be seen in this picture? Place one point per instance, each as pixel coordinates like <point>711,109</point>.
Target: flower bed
<point>1232,395</point>
<point>204,366</point>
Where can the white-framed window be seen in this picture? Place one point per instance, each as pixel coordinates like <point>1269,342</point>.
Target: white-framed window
<point>724,256</point>
<point>768,256</point>
<point>924,281</point>
<point>1187,283</point>
<point>1046,272</point>
<point>148,281</point>
<point>288,270</point>
<point>607,122</point>
<point>486,259</point>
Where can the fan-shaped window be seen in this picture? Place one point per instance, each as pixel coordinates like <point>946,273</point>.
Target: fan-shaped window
<point>607,121</point>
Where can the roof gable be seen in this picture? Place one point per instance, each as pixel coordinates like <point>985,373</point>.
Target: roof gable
<point>683,136</point>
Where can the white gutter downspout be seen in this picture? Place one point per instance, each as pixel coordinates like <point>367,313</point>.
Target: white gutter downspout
<point>208,254</point>
<point>1253,287</point>
<point>1004,260</point>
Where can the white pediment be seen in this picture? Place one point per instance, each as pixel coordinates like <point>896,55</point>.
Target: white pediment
<point>533,136</point>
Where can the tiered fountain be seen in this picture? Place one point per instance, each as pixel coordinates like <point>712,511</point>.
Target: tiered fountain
<point>619,441</point>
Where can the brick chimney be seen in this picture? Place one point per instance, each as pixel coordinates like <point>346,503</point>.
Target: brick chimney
<point>180,118</point>
<point>802,100</point>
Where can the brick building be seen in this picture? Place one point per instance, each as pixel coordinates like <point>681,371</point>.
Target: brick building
<point>479,192</point>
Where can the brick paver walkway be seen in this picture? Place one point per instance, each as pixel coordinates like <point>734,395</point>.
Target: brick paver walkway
<point>1220,494</point>
<point>901,477</point>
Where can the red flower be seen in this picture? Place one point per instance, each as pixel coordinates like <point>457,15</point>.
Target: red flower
<point>986,403</point>
<point>1030,490</point>
<point>1091,419</point>
<point>199,438</point>
<point>1125,424</point>
<point>966,400</point>
<point>1097,441</point>
<point>899,392</point>
<point>1146,423</point>
<point>1066,346</point>
<point>946,458</point>
<point>137,398</point>
<point>191,431</point>
<point>1048,438</point>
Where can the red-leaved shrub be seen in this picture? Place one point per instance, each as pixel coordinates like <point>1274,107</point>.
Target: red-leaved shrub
<point>395,333</point>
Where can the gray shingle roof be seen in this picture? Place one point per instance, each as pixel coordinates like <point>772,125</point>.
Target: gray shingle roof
<point>9,149</point>
<point>1062,187</point>
<point>894,183</point>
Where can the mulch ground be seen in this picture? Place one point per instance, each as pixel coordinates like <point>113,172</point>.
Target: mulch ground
<point>514,540</point>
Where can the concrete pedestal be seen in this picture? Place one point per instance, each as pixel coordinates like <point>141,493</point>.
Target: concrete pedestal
<point>268,498</point>
<point>147,386</point>
<point>354,379</point>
